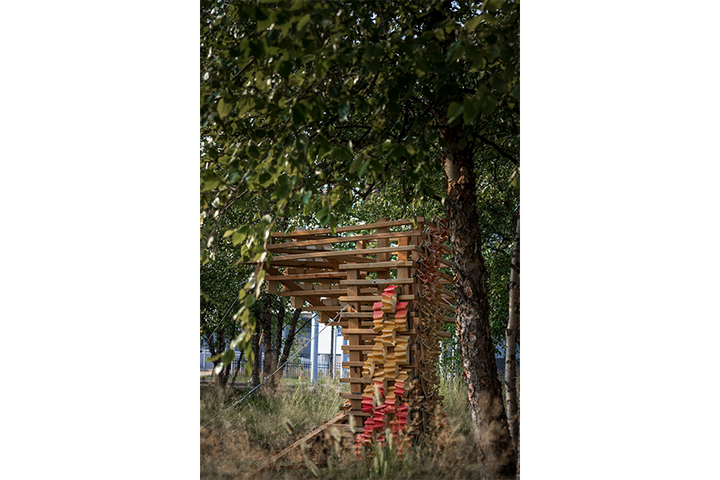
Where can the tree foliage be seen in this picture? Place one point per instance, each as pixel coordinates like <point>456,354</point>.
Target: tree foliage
<point>308,108</point>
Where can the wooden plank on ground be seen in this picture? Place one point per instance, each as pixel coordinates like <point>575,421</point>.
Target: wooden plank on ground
<point>338,418</point>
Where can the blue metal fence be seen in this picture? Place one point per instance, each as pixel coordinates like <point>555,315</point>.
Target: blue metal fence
<point>296,367</point>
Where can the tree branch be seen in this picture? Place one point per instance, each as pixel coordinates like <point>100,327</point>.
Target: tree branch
<point>500,150</point>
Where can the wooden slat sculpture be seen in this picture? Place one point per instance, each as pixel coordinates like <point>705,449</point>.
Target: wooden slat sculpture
<point>395,303</point>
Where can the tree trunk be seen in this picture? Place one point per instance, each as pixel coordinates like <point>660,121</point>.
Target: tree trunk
<point>511,337</point>
<point>237,369</point>
<point>490,426</point>
<point>218,346</point>
<point>277,343</point>
<point>290,338</point>
<point>255,345</point>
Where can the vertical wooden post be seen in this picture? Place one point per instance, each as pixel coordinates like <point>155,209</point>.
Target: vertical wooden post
<point>355,340</point>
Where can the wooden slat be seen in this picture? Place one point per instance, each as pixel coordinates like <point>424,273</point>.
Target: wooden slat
<point>322,293</point>
<point>341,253</point>
<point>357,413</point>
<point>351,396</point>
<point>374,298</point>
<point>338,418</point>
<point>352,228</point>
<point>324,308</point>
<point>358,331</point>
<point>352,364</point>
<point>306,276</point>
<point>356,380</point>
<point>364,348</point>
<point>377,265</point>
<point>377,281</point>
<point>391,236</point>
<point>357,315</point>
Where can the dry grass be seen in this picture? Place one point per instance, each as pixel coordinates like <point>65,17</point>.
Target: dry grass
<point>239,443</point>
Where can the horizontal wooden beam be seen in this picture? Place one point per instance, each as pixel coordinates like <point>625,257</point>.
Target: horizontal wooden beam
<point>358,331</point>
<point>325,308</point>
<point>363,348</point>
<point>306,276</point>
<point>357,413</point>
<point>344,253</point>
<point>378,281</point>
<point>322,293</point>
<point>352,364</point>
<point>376,266</point>
<point>375,298</point>
<point>351,396</point>
<point>354,238</point>
<point>352,228</point>
<point>356,380</point>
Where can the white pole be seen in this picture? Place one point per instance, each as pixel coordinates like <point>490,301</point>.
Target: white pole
<point>314,350</point>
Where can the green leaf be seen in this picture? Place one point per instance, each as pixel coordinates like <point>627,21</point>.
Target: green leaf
<point>210,181</point>
<point>224,108</point>
<point>258,284</point>
<point>284,68</point>
<point>493,4</point>
<point>283,187</point>
<point>298,114</point>
<point>249,301</point>
<point>262,203</point>
<point>363,167</point>
<point>323,213</point>
<point>473,23</point>
<point>487,101</point>
<point>454,111</point>
<point>228,356</point>
<point>516,92</point>
<point>471,107</point>
<point>302,22</point>
<point>263,24</point>
<point>238,237</point>
<point>355,165</point>
<point>306,198</point>
<point>454,52</point>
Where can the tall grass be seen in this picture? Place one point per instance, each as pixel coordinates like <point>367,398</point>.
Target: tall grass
<point>235,445</point>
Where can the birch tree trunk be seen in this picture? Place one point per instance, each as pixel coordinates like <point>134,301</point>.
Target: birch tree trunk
<point>490,426</point>
<point>511,338</point>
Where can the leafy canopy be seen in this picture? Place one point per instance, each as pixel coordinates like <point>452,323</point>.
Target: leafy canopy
<point>308,106</point>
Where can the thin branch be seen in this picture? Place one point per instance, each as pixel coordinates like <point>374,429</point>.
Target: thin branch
<point>500,150</point>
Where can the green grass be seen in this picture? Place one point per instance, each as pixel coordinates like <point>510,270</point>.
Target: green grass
<point>235,445</point>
